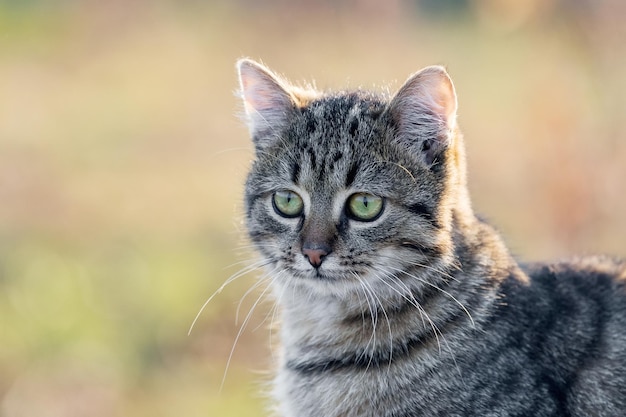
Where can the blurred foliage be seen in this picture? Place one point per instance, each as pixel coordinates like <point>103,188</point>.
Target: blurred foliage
<point>122,162</point>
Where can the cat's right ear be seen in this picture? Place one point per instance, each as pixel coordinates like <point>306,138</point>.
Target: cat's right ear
<point>424,113</point>
<point>267,101</point>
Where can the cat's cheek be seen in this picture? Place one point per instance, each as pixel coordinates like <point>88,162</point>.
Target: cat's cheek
<point>272,237</point>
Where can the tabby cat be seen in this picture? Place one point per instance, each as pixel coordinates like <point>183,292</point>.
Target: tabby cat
<point>395,299</point>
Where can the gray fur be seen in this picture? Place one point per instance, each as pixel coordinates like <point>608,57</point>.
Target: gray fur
<point>421,312</point>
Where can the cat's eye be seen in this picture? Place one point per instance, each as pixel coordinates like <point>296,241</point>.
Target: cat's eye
<point>364,207</point>
<point>287,203</point>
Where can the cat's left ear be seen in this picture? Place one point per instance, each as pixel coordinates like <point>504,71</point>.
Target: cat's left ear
<point>424,113</point>
<point>267,101</point>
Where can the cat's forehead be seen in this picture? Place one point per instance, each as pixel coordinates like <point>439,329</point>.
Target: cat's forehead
<point>341,122</point>
<point>338,108</point>
<point>336,140</point>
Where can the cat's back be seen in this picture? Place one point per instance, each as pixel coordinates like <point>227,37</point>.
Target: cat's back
<point>565,297</point>
<point>579,297</point>
<point>568,321</point>
<point>597,279</point>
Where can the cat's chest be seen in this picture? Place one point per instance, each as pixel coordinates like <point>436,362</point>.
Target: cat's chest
<point>462,377</point>
<point>366,392</point>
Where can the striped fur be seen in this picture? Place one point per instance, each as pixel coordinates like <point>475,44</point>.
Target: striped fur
<point>422,311</point>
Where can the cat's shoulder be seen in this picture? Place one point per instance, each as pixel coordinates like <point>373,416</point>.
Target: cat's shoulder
<point>596,267</point>
<point>568,294</point>
<point>587,275</point>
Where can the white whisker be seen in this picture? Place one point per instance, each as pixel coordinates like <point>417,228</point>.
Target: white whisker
<point>412,301</point>
<point>260,281</point>
<point>376,301</point>
<point>250,268</point>
<point>421,265</point>
<point>242,328</point>
<point>438,289</point>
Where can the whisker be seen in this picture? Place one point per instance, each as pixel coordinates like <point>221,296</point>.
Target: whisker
<point>250,268</point>
<point>372,310</point>
<point>376,302</point>
<point>358,294</point>
<point>256,285</point>
<point>241,329</point>
<point>382,307</point>
<point>257,245</point>
<point>388,326</point>
<point>414,303</point>
<point>433,326</point>
<point>274,311</point>
<point>437,288</point>
<point>436,331</point>
<point>261,262</point>
<point>227,150</point>
<point>374,318</point>
<point>421,265</point>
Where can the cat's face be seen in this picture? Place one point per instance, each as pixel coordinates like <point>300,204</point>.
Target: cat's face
<point>343,193</point>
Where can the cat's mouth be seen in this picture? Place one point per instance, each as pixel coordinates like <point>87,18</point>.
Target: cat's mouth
<point>324,274</point>
<point>315,274</point>
<point>321,275</point>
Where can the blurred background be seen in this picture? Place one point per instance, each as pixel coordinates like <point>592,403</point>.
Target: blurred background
<point>122,161</point>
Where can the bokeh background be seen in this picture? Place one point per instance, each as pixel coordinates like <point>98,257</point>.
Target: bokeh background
<point>122,161</point>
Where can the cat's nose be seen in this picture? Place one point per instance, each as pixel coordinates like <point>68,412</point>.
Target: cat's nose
<point>316,254</point>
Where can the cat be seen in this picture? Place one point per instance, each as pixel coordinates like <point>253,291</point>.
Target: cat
<point>395,299</point>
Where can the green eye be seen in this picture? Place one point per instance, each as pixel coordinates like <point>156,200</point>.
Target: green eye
<point>287,203</point>
<point>364,207</point>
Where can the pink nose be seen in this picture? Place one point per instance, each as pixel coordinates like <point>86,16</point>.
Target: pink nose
<point>315,256</point>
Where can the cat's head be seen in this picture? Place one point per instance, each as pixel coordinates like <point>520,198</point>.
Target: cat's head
<point>351,188</point>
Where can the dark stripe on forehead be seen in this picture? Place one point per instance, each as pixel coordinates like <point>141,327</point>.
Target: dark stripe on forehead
<point>354,125</point>
<point>323,172</point>
<point>354,168</point>
<point>312,158</point>
<point>310,124</point>
<point>295,172</point>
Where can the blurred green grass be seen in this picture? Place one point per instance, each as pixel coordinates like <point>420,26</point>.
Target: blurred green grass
<point>122,162</point>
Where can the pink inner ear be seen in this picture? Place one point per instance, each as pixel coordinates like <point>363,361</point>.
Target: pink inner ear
<point>431,91</point>
<point>254,94</point>
<point>446,98</point>
<point>267,102</point>
<point>255,99</point>
<point>424,110</point>
<point>436,92</point>
<point>261,91</point>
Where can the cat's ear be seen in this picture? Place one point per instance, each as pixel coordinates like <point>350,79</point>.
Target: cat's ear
<point>267,101</point>
<point>424,113</point>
